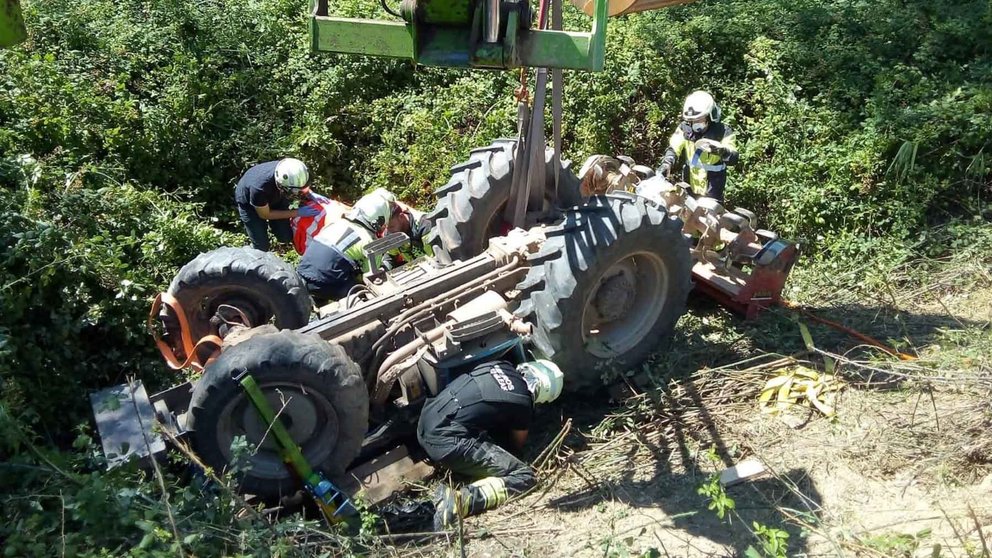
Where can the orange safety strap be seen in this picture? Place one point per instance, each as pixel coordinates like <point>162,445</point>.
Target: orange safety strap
<point>856,334</point>
<point>191,349</point>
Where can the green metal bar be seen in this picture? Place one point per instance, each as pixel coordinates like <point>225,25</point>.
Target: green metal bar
<point>290,451</point>
<point>450,45</point>
<point>597,46</point>
<point>447,47</point>
<point>566,49</point>
<point>371,37</point>
<point>12,29</point>
<point>511,55</point>
<point>555,49</point>
<point>321,489</point>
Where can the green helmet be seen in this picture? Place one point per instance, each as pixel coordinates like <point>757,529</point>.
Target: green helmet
<point>544,379</point>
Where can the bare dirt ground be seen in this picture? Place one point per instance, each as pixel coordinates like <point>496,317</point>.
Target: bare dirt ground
<point>903,469</point>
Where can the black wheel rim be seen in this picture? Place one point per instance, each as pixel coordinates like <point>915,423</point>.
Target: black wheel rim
<point>306,413</point>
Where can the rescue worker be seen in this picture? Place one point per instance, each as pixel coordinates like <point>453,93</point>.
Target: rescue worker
<point>411,221</point>
<point>335,258</point>
<point>263,196</point>
<point>703,144</point>
<point>458,429</point>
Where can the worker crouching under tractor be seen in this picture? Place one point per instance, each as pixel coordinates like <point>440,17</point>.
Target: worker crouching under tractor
<point>459,429</point>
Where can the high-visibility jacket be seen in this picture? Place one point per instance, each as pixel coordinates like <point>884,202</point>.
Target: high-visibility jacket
<point>349,238</point>
<point>335,259</point>
<point>707,171</point>
<point>305,228</point>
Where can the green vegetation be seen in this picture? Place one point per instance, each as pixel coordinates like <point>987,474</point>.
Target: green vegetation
<point>864,127</point>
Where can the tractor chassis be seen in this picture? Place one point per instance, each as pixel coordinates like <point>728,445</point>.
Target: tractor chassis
<point>134,425</point>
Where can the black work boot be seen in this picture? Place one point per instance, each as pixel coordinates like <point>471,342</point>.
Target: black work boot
<point>482,495</point>
<point>449,504</point>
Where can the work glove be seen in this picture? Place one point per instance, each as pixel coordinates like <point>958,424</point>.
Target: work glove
<point>665,170</point>
<point>319,199</point>
<point>307,211</point>
<point>707,145</point>
<point>710,146</point>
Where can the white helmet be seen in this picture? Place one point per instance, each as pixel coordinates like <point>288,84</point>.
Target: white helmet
<point>291,174</point>
<point>544,379</point>
<point>374,209</point>
<point>700,104</point>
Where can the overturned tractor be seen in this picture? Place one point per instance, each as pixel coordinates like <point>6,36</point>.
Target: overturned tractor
<point>593,286</point>
<point>597,288</point>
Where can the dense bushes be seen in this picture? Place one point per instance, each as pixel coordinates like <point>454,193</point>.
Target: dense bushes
<point>124,124</point>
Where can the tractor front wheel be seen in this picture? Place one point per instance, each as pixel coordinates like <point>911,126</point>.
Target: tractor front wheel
<point>241,285</point>
<point>317,392</point>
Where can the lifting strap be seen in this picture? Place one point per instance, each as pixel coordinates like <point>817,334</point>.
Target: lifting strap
<point>557,82</point>
<point>188,346</point>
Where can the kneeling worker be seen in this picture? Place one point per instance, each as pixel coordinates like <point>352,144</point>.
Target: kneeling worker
<point>335,258</point>
<point>263,195</point>
<point>457,429</point>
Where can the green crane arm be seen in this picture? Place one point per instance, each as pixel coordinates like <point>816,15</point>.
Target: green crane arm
<point>473,33</point>
<point>12,29</point>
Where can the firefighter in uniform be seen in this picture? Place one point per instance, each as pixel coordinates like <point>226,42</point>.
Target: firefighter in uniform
<point>461,426</point>
<point>703,144</point>
<point>335,258</point>
<point>263,196</point>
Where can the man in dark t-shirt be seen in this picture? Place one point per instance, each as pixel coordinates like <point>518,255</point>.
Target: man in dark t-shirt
<point>263,196</point>
<point>457,429</point>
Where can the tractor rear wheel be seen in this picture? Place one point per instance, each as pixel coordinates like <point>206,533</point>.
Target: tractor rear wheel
<point>608,285</point>
<point>259,285</point>
<point>470,206</point>
<point>316,390</point>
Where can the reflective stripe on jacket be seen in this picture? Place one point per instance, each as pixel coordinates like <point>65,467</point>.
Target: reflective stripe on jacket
<point>683,149</point>
<point>349,238</point>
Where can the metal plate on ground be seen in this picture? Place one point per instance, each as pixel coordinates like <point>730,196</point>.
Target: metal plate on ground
<point>378,479</point>
<point>125,419</point>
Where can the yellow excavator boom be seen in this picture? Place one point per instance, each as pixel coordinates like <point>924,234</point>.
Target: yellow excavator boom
<point>624,7</point>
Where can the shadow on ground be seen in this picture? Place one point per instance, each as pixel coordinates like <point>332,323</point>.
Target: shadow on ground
<point>669,479</point>
<point>708,337</point>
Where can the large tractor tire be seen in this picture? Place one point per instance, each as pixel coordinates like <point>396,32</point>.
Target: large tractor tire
<point>470,206</point>
<point>259,284</point>
<point>608,285</point>
<point>316,390</point>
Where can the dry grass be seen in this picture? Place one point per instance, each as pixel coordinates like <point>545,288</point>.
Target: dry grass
<point>904,469</point>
